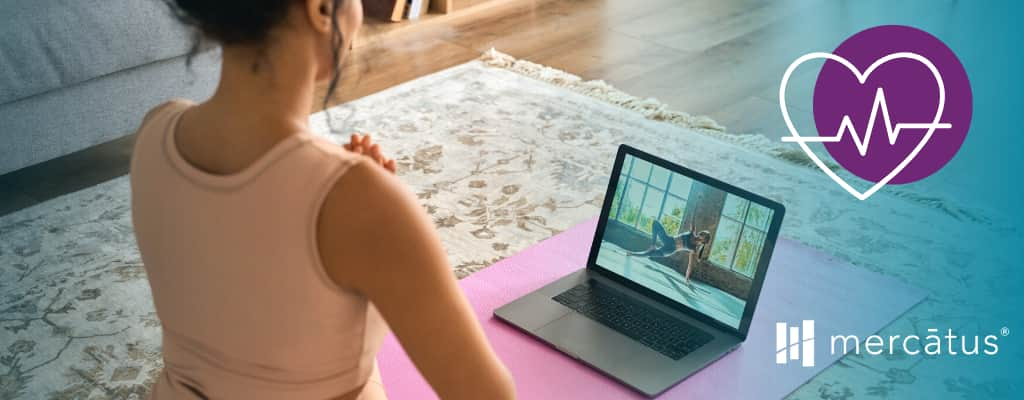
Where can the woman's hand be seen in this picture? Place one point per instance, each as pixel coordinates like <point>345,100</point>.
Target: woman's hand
<point>363,145</point>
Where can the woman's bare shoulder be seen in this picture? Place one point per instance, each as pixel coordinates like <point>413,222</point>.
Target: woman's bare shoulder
<point>368,217</point>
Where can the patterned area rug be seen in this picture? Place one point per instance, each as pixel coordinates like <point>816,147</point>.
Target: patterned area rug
<point>502,154</point>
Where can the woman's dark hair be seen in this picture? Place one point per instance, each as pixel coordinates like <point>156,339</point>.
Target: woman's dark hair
<point>231,22</point>
<point>707,239</point>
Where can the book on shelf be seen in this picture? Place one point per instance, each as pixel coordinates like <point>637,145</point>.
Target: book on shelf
<point>416,8</point>
<point>441,6</point>
<point>387,10</point>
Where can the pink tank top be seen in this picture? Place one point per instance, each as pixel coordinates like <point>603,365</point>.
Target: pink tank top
<point>248,311</point>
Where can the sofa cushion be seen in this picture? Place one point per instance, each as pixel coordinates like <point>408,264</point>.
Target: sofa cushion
<point>49,44</point>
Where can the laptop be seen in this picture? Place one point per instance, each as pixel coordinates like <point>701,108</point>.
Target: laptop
<point>640,312</point>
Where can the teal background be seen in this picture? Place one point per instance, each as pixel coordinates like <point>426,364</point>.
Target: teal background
<point>986,174</point>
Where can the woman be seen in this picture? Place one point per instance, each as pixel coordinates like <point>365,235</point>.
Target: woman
<point>691,243</point>
<point>270,251</point>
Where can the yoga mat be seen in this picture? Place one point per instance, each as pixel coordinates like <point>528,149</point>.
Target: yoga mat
<point>802,283</point>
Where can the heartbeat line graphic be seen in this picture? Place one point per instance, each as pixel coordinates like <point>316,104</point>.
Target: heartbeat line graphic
<point>893,132</point>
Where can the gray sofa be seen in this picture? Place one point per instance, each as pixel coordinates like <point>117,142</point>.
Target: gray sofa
<point>76,73</point>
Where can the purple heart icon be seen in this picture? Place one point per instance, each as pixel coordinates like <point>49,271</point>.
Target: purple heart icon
<point>896,106</point>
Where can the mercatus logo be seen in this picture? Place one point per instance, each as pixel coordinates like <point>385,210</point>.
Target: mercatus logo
<point>794,342</point>
<point>800,339</point>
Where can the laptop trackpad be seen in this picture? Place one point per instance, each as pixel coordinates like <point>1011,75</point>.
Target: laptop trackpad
<point>583,338</point>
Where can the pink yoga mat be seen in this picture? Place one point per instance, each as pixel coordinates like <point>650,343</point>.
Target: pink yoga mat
<point>802,284</point>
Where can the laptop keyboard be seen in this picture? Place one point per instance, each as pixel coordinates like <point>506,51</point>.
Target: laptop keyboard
<point>641,322</point>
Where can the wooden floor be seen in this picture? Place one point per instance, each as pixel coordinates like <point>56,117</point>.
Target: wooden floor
<point>721,58</point>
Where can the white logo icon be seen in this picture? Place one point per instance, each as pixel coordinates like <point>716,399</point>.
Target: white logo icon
<point>799,339</point>
<point>847,125</point>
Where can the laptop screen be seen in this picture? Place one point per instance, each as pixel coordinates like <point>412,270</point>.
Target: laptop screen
<point>686,240</point>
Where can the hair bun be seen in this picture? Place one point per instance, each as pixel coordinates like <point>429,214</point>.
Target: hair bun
<point>232,21</point>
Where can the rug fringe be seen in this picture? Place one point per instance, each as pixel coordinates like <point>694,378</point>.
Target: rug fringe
<point>649,107</point>
<point>656,110</point>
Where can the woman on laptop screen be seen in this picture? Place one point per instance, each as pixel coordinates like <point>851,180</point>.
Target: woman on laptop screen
<point>692,243</point>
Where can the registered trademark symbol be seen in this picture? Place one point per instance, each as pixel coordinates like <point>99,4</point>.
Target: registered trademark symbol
<point>1005,331</point>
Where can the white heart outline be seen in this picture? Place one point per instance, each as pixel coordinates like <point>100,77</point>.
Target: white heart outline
<point>862,78</point>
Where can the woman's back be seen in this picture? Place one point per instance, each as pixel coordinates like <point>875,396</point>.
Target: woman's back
<point>275,256</point>
<point>247,308</point>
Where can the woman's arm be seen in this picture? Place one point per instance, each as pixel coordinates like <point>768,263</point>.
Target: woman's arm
<point>375,239</point>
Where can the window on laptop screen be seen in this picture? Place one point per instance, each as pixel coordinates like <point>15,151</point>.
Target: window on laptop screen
<point>661,222</point>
